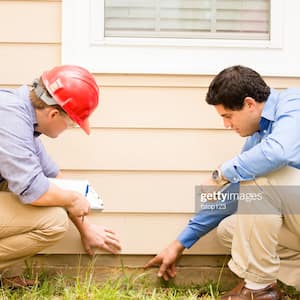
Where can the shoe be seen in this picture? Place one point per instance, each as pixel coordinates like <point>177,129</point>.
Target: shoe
<point>271,292</point>
<point>18,282</point>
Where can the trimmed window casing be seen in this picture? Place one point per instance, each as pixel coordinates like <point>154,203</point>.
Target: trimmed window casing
<point>84,43</point>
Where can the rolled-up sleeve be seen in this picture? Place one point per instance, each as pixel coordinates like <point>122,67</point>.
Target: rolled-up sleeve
<point>21,168</point>
<point>36,188</point>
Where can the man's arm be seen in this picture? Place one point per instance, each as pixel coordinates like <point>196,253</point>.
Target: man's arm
<point>203,222</point>
<point>96,236</point>
<point>76,204</point>
<point>92,236</point>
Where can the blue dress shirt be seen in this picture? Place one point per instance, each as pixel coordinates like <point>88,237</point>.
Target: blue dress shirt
<point>275,145</point>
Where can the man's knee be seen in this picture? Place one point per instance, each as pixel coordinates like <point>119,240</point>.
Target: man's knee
<point>225,231</point>
<point>61,218</point>
<point>55,224</point>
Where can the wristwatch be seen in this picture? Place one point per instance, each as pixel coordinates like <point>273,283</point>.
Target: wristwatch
<point>216,176</point>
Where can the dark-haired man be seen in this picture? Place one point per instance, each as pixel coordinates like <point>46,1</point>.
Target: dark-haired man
<point>265,240</point>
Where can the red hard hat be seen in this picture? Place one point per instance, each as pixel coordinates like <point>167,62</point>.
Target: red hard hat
<point>75,90</point>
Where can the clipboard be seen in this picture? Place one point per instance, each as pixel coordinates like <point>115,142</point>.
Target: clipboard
<point>81,186</point>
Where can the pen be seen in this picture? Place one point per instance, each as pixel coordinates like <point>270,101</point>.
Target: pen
<point>86,192</point>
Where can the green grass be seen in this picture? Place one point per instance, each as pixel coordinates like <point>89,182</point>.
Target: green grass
<point>135,286</point>
<point>60,287</point>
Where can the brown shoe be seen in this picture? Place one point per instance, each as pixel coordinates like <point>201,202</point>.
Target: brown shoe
<point>271,292</point>
<point>17,282</point>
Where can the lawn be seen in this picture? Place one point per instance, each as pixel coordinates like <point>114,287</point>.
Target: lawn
<point>135,286</point>
<point>60,287</point>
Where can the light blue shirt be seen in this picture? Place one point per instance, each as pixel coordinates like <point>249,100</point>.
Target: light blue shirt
<point>276,145</point>
<point>24,162</point>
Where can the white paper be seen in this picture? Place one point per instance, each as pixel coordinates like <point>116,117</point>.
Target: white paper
<point>81,186</point>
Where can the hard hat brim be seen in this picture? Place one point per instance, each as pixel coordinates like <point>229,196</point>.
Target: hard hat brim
<point>85,125</point>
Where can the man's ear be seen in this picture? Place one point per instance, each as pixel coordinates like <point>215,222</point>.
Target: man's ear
<point>53,113</point>
<point>250,103</point>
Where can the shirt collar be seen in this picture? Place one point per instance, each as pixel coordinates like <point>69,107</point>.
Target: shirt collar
<point>268,112</point>
<point>23,92</point>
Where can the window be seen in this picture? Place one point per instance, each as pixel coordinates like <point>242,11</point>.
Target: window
<point>181,36</point>
<point>220,19</point>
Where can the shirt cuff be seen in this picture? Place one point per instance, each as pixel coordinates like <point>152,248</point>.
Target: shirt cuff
<point>54,172</point>
<point>37,188</point>
<point>188,237</point>
<point>230,172</point>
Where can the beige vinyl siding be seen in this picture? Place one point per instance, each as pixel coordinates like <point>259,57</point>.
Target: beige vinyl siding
<point>30,21</point>
<point>141,233</point>
<point>30,39</point>
<point>144,149</point>
<point>153,136</point>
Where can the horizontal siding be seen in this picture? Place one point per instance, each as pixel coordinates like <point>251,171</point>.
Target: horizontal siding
<point>152,80</point>
<point>30,21</point>
<point>155,107</point>
<point>52,52</point>
<point>21,63</point>
<point>48,55</point>
<point>138,234</point>
<point>134,149</point>
<point>144,191</point>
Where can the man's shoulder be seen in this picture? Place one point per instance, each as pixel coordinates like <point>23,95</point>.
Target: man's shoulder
<point>288,103</point>
<point>289,94</point>
<point>13,99</point>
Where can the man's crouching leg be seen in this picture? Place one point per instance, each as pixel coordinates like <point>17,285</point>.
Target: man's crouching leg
<point>25,230</point>
<point>225,231</point>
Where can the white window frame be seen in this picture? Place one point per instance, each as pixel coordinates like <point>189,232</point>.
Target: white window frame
<point>83,43</point>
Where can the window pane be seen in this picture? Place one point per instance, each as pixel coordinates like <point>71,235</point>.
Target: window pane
<point>223,19</point>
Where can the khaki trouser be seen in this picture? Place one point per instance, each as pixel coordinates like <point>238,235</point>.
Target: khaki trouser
<point>265,246</point>
<point>25,230</point>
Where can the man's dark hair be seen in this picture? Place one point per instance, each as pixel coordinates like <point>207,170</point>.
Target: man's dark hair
<point>232,85</point>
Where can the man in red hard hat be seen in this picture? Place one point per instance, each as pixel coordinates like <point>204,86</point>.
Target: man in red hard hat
<point>61,98</point>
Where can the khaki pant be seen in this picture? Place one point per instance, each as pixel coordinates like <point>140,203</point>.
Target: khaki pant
<point>25,230</point>
<point>265,246</point>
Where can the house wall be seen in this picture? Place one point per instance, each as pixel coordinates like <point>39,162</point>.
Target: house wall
<point>153,136</point>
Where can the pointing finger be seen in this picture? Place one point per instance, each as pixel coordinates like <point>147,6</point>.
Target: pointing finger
<point>153,262</point>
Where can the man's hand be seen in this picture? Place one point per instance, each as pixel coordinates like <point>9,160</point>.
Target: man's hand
<point>166,260</point>
<point>209,185</point>
<point>96,236</point>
